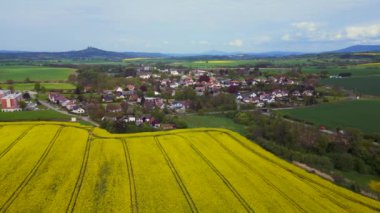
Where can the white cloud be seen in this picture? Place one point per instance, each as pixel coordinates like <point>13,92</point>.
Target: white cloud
<point>286,37</point>
<point>363,32</point>
<point>236,43</point>
<point>307,26</point>
<point>312,32</point>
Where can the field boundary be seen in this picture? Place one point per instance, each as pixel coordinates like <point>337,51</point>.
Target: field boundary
<point>31,174</point>
<point>177,177</point>
<point>131,177</point>
<point>79,182</point>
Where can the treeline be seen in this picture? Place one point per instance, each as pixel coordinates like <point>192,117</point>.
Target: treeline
<point>344,151</point>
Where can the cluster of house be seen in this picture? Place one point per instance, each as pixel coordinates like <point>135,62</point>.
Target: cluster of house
<point>61,100</point>
<point>260,99</point>
<point>130,96</point>
<point>114,110</point>
<point>10,102</point>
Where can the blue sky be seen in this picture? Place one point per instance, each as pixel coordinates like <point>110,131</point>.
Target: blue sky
<point>184,26</point>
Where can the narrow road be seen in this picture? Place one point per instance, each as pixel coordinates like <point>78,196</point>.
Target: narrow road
<point>57,109</point>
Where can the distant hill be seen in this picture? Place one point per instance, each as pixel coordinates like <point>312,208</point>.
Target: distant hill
<point>88,53</point>
<point>359,48</point>
<point>92,53</point>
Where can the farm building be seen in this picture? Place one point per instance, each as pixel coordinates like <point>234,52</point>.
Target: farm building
<point>10,102</point>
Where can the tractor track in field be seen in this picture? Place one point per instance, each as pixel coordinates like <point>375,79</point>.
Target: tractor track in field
<point>312,182</point>
<point>177,177</point>
<point>31,174</point>
<point>240,160</point>
<point>131,177</point>
<point>79,182</point>
<point>306,180</point>
<point>19,138</point>
<point>238,196</point>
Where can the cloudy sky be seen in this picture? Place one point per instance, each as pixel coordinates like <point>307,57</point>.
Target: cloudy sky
<point>188,26</point>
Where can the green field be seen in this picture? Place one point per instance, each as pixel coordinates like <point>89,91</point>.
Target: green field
<point>40,115</point>
<point>355,70</point>
<point>34,73</point>
<point>363,114</point>
<point>366,85</point>
<point>48,86</point>
<point>212,121</point>
<point>61,167</point>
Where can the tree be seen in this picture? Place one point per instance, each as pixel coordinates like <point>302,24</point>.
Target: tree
<point>204,78</point>
<point>27,80</point>
<point>96,111</point>
<point>26,96</point>
<point>43,89</point>
<point>37,86</point>
<point>321,144</point>
<point>22,104</point>
<point>310,100</point>
<point>72,78</point>
<point>344,161</point>
<point>79,89</point>
<point>11,88</point>
<point>185,93</point>
<point>242,118</point>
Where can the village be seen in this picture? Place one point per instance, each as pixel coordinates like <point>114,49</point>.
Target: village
<point>171,92</point>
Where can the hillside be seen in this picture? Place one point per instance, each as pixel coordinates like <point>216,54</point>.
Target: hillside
<point>85,54</point>
<point>359,48</point>
<point>58,167</point>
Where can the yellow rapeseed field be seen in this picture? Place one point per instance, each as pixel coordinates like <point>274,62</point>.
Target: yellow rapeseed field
<point>64,167</point>
<point>369,65</point>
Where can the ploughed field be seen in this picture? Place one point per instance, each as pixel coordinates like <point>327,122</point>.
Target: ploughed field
<point>60,167</point>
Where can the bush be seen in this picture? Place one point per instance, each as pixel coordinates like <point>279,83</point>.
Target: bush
<point>343,161</point>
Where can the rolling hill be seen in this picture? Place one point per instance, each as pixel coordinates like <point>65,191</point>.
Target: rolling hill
<point>95,53</point>
<point>88,53</point>
<point>63,167</point>
<point>359,48</point>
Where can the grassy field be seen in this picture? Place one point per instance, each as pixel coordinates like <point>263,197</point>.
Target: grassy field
<point>363,114</point>
<point>355,70</point>
<point>48,86</point>
<point>366,85</point>
<point>35,73</point>
<point>61,167</point>
<point>370,64</point>
<point>212,121</point>
<point>40,115</point>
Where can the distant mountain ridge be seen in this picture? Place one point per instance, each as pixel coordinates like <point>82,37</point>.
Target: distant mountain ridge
<point>88,53</point>
<point>95,53</point>
<point>359,48</point>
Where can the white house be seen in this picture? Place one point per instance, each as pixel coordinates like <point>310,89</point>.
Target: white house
<point>78,110</point>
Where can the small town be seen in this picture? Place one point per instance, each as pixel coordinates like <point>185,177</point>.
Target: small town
<point>168,92</point>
